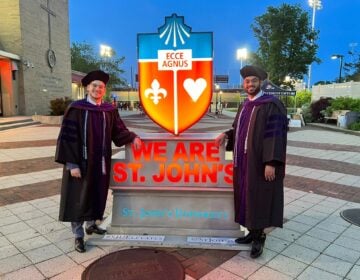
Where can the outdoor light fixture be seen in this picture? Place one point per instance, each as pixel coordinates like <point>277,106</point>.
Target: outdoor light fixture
<point>105,51</point>
<point>28,64</point>
<point>315,3</point>
<point>241,54</point>
<point>341,57</point>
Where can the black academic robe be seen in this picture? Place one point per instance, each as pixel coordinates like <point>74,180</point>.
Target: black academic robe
<point>85,139</point>
<point>259,203</point>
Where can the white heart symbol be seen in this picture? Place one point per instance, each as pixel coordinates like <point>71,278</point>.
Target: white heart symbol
<point>195,88</point>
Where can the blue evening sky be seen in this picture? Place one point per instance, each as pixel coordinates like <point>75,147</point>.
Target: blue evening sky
<point>117,22</point>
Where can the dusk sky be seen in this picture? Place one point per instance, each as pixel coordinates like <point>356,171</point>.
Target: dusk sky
<point>117,22</point>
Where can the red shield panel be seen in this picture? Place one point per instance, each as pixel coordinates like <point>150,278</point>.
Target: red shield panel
<point>175,99</point>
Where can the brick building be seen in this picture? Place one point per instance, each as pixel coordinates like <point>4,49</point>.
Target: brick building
<point>35,61</point>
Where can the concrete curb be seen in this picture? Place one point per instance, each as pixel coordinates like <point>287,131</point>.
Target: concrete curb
<point>334,128</point>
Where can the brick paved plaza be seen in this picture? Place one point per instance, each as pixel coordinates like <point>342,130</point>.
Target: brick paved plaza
<point>323,178</point>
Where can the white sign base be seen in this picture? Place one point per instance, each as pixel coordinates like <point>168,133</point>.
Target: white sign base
<point>168,241</point>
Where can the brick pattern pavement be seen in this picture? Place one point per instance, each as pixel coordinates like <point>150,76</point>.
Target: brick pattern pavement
<point>197,262</point>
<point>344,192</point>
<point>323,164</point>
<point>29,192</point>
<point>23,144</point>
<point>324,146</point>
<point>299,183</point>
<point>27,166</point>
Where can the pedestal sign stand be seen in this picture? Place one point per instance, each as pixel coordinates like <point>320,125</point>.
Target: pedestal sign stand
<point>177,190</point>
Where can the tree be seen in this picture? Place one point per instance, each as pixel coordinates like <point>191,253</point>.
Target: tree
<point>353,67</point>
<point>322,83</point>
<point>85,59</point>
<point>286,42</point>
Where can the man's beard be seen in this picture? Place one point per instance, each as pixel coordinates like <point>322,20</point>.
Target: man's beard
<point>254,92</point>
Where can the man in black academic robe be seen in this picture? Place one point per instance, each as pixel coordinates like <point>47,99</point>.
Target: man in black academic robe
<point>84,147</point>
<point>259,137</point>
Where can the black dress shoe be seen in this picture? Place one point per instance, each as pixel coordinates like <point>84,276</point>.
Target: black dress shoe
<point>80,245</point>
<point>263,238</point>
<point>245,239</point>
<point>94,229</point>
<point>256,249</point>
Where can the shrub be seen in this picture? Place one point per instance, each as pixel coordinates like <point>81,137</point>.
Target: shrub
<point>288,101</point>
<point>303,97</point>
<point>59,105</point>
<point>355,126</point>
<point>343,103</point>
<point>318,107</point>
<point>306,112</point>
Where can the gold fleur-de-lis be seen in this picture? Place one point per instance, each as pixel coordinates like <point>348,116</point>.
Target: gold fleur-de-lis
<point>155,92</point>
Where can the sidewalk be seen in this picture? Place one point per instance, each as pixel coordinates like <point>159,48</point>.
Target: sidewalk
<point>323,179</point>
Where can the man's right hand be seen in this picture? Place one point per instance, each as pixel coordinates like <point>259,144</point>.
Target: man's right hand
<point>75,172</point>
<point>137,143</point>
<point>220,139</point>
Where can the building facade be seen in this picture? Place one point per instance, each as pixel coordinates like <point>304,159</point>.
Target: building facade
<point>35,61</point>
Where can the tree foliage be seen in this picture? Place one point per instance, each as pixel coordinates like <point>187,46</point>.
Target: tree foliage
<point>85,59</point>
<point>353,67</point>
<point>303,97</point>
<point>322,83</point>
<point>344,103</point>
<point>286,42</point>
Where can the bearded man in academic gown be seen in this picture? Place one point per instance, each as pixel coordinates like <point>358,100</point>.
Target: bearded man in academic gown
<point>84,147</point>
<point>258,140</point>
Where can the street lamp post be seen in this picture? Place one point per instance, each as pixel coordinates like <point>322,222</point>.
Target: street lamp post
<point>241,54</point>
<point>129,97</point>
<point>341,57</point>
<point>220,104</point>
<point>315,5</point>
<point>217,87</point>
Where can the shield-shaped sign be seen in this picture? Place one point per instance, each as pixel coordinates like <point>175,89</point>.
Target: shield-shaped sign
<point>175,74</point>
